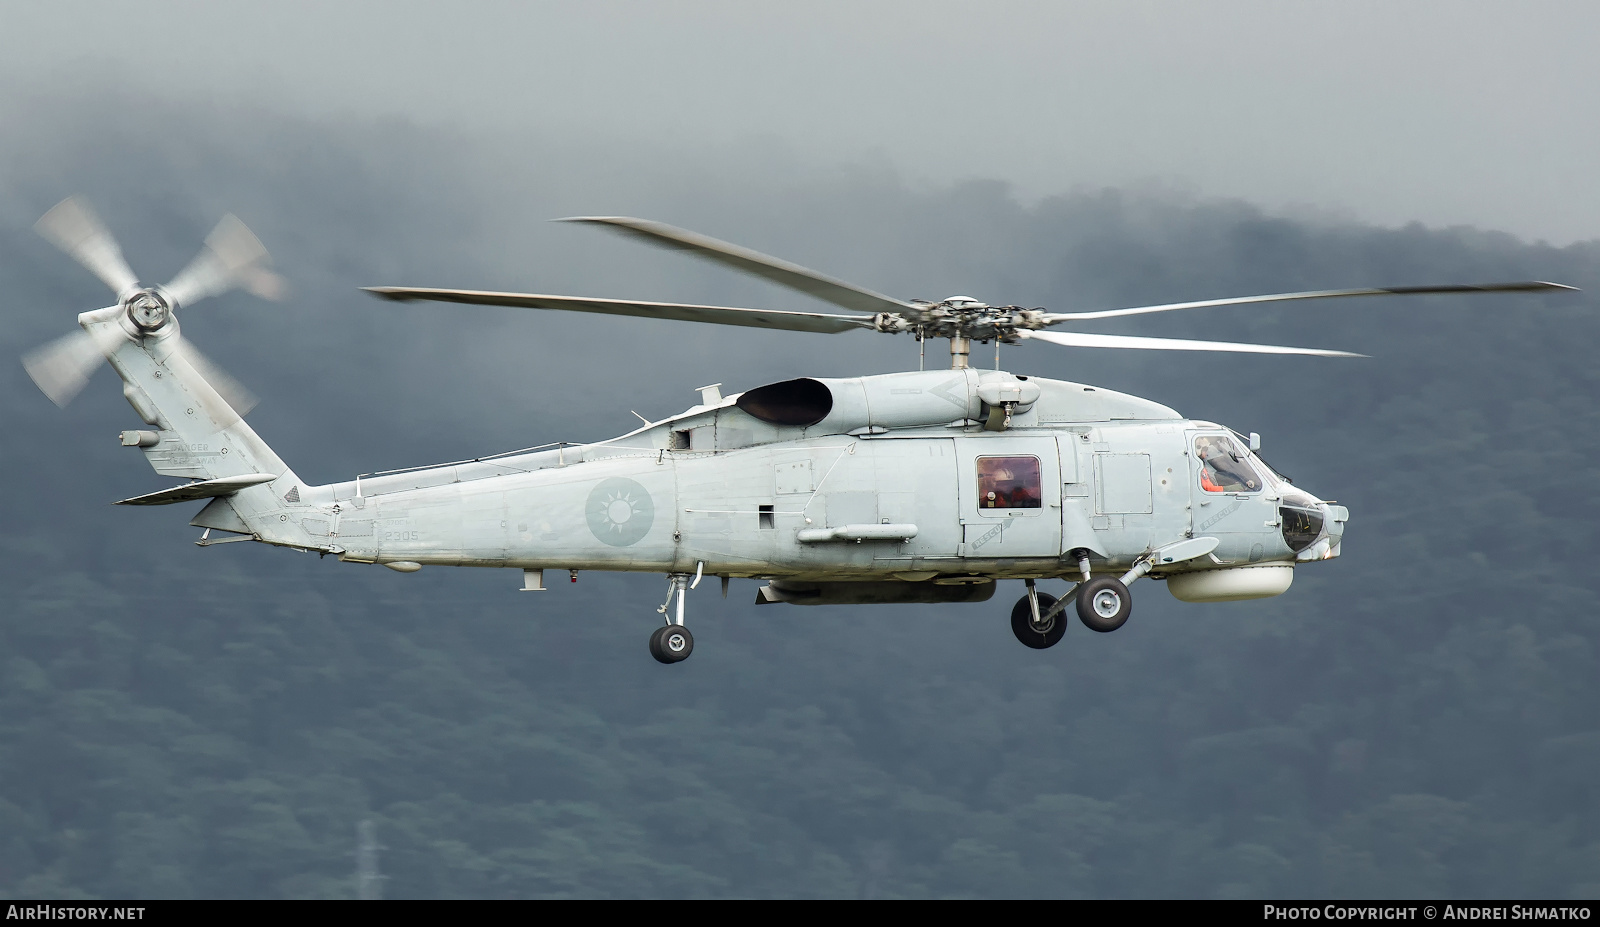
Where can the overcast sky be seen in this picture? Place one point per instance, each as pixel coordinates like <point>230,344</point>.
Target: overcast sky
<point>1444,112</point>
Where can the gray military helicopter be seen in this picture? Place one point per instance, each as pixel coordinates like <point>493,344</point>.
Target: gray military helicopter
<point>916,487</point>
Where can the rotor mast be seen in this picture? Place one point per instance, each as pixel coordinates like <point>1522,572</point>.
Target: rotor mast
<point>960,348</point>
<point>961,320</point>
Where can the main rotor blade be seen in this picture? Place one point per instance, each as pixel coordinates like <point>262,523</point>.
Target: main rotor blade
<point>232,256</point>
<point>1519,287</point>
<point>60,368</point>
<point>721,315</point>
<point>1086,340</point>
<point>783,273</point>
<point>74,228</point>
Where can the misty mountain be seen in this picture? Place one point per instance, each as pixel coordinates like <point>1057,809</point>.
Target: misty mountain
<point>1416,718</point>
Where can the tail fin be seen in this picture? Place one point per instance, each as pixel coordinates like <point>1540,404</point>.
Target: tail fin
<point>203,437</point>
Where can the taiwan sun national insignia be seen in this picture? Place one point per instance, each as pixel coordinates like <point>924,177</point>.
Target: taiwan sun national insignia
<point>620,511</point>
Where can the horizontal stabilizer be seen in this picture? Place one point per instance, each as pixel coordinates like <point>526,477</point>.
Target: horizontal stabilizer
<point>205,489</point>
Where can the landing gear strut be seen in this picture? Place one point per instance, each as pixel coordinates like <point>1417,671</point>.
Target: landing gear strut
<point>673,643</point>
<point>1104,603</point>
<point>1036,620</point>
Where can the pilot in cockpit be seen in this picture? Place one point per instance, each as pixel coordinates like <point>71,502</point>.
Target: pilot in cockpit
<point>1209,475</point>
<point>1222,469</point>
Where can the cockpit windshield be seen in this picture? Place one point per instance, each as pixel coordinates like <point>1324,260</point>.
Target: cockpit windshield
<point>1224,465</point>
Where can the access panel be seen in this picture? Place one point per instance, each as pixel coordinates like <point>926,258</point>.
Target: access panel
<point>1122,483</point>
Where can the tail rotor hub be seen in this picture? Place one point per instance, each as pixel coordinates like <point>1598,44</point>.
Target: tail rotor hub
<point>148,310</point>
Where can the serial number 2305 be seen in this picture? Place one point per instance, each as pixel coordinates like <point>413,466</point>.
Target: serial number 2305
<point>400,536</point>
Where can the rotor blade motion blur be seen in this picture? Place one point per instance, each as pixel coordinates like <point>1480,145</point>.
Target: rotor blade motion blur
<point>1519,287</point>
<point>721,315</point>
<point>232,256</point>
<point>238,398</point>
<point>74,228</point>
<point>1086,340</point>
<point>781,272</point>
<point>61,367</point>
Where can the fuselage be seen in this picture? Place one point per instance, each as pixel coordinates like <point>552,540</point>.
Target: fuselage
<point>911,476</point>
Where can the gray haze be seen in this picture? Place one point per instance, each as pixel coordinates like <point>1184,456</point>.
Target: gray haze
<point>1445,112</point>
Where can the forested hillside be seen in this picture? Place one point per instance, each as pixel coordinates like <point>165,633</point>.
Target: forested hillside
<point>1418,717</point>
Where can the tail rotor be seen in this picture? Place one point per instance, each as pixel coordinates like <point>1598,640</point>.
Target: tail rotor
<point>231,258</point>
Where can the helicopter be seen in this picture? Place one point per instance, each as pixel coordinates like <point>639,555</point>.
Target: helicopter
<point>925,486</point>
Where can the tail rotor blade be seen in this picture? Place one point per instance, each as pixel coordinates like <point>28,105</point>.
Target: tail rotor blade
<point>232,256</point>
<point>263,283</point>
<point>240,399</point>
<point>74,228</point>
<point>1086,340</point>
<point>62,367</point>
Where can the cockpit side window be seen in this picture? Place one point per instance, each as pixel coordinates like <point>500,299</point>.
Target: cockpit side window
<point>1009,483</point>
<point>1224,466</point>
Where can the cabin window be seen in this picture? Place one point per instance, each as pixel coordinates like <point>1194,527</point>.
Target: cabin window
<point>1009,483</point>
<point>767,518</point>
<point>1224,467</point>
<point>680,440</point>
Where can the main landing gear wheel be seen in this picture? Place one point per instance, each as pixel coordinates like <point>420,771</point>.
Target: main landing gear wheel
<point>1104,604</point>
<point>671,644</point>
<point>1038,636</point>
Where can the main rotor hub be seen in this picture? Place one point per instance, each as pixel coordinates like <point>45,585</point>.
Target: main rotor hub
<point>148,310</point>
<point>965,317</point>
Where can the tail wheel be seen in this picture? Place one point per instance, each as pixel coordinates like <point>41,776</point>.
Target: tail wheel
<point>1104,604</point>
<point>671,644</point>
<point>1037,636</point>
